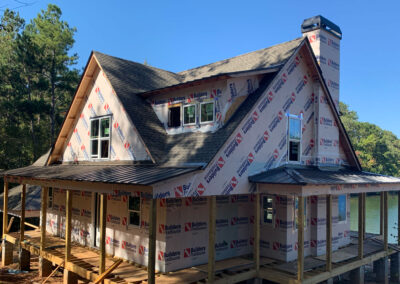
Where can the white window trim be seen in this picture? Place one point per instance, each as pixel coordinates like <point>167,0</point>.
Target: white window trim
<point>140,213</point>
<point>183,114</point>
<point>99,139</point>
<point>299,117</point>
<point>272,224</point>
<point>213,119</point>
<point>345,213</point>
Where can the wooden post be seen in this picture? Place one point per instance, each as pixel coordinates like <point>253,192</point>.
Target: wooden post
<point>151,268</point>
<point>22,223</point>
<point>360,225</point>
<point>43,219</point>
<point>398,218</point>
<point>329,232</point>
<point>381,213</point>
<point>5,207</point>
<point>386,221</point>
<point>300,239</point>
<point>103,219</point>
<point>364,214</point>
<point>211,238</point>
<point>257,221</point>
<point>68,212</point>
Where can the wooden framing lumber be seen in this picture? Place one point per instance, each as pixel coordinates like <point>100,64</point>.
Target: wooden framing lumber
<point>151,267</point>
<point>386,221</point>
<point>10,224</point>
<point>300,239</point>
<point>381,213</point>
<point>31,225</point>
<point>103,219</point>
<point>211,238</point>
<point>360,225</point>
<point>5,207</point>
<point>108,271</point>
<point>329,232</point>
<point>43,218</point>
<point>364,213</point>
<point>22,221</point>
<point>398,218</point>
<point>53,272</point>
<point>68,212</point>
<point>257,221</point>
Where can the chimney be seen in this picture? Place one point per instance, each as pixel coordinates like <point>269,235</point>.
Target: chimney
<point>324,37</point>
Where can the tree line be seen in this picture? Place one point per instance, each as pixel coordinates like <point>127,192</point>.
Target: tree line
<point>38,80</point>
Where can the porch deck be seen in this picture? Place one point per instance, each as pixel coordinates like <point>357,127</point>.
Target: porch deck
<point>85,263</point>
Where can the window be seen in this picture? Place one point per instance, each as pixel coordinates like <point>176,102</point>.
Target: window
<point>50,198</point>
<point>100,137</point>
<point>342,208</point>
<point>174,116</point>
<point>189,114</point>
<point>268,209</point>
<point>134,210</point>
<point>206,112</point>
<point>296,210</point>
<point>294,139</point>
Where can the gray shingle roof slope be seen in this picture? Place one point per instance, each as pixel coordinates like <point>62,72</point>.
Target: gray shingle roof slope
<point>256,60</point>
<point>304,175</point>
<point>32,203</point>
<point>129,79</point>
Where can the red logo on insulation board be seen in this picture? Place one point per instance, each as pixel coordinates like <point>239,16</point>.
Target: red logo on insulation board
<point>275,245</point>
<point>108,240</point>
<point>270,96</point>
<point>201,188</point>
<point>123,244</point>
<point>313,243</point>
<point>220,162</point>
<point>314,221</point>
<point>160,255</point>
<point>234,182</point>
<point>293,97</point>
<point>276,154</point>
<point>179,191</point>
<point>124,221</point>
<point>280,115</point>
<point>239,138</point>
<point>124,198</point>
<point>255,116</point>
<point>188,227</point>
<point>161,228</point>
<point>186,252</point>
<point>141,250</point>
<point>312,38</point>
<point>296,246</point>
<point>251,219</point>
<point>188,201</point>
<point>163,202</point>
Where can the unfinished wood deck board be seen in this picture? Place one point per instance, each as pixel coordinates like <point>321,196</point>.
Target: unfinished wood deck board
<point>310,263</point>
<point>189,275</point>
<point>266,260</point>
<point>228,264</point>
<point>339,256</point>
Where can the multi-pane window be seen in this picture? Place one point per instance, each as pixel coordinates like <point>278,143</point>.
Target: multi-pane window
<point>268,209</point>
<point>342,207</point>
<point>134,210</point>
<point>100,137</point>
<point>296,211</point>
<point>189,114</point>
<point>294,139</point>
<point>206,112</point>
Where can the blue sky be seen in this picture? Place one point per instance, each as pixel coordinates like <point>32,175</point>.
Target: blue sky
<point>178,35</point>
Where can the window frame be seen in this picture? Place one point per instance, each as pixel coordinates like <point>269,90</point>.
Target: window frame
<point>265,210</point>
<point>180,115</point>
<point>213,112</point>
<point>345,208</point>
<point>183,115</point>
<point>137,211</point>
<point>295,210</point>
<point>99,138</point>
<point>300,118</point>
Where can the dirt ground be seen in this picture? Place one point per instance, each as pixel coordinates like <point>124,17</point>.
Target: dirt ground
<point>31,276</point>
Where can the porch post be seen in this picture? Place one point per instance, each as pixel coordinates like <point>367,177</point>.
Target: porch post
<point>211,238</point>
<point>257,219</point>
<point>68,212</point>
<point>44,264</point>
<point>329,232</point>
<point>151,267</point>
<point>7,247</point>
<point>385,223</point>
<point>381,213</point>
<point>360,225</point>
<point>24,255</point>
<point>364,213</point>
<point>300,239</point>
<point>398,218</point>
<point>103,219</point>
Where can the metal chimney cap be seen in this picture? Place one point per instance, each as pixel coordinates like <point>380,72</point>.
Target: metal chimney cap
<point>319,22</point>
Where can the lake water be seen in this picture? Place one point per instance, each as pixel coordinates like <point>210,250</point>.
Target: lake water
<point>372,215</point>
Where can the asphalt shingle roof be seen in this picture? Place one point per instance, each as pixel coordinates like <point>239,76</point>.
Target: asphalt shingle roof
<point>130,79</point>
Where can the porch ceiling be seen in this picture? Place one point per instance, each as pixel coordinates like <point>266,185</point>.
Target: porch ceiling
<point>311,175</point>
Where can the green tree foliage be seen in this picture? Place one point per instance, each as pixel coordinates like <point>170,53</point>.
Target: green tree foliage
<point>378,150</point>
<point>36,83</point>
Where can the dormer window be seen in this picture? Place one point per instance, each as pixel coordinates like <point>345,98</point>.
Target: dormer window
<point>100,137</point>
<point>206,112</point>
<point>174,116</point>
<point>189,114</point>
<point>294,143</point>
